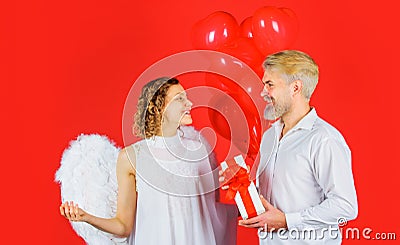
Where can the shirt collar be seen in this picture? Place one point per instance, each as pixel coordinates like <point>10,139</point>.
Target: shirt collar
<point>307,122</point>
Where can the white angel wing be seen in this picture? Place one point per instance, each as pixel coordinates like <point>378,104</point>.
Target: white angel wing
<point>87,176</point>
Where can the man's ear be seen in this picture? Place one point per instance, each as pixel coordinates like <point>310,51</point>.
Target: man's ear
<point>296,87</point>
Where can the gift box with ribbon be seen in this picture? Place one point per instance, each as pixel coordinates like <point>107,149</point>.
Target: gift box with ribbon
<point>241,188</point>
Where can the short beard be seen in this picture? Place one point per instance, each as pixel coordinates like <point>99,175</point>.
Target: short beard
<point>272,112</point>
<point>269,112</point>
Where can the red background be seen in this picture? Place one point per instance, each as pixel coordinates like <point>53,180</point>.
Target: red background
<point>68,66</point>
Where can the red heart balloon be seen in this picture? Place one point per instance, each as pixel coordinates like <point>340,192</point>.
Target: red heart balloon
<point>234,116</point>
<point>245,50</point>
<point>246,28</point>
<point>239,75</point>
<point>214,31</point>
<point>224,114</point>
<point>254,123</point>
<point>274,29</point>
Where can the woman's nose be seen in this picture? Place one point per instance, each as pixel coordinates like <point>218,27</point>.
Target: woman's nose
<point>189,103</point>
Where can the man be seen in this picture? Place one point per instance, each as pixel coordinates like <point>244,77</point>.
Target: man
<point>305,171</point>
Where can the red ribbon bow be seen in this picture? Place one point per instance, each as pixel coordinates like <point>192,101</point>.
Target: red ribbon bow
<point>238,181</point>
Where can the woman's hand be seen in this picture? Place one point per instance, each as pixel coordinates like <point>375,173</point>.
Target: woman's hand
<point>72,212</point>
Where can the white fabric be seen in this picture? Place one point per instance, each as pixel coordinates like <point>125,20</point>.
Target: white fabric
<point>175,194</point>
<point>307,174</point>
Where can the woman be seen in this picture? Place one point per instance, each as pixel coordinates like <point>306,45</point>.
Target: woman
<point>165,181</point>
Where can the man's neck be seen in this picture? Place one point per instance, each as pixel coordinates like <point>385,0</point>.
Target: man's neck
<point>291,118</point>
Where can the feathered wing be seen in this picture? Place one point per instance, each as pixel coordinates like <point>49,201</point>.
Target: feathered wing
<point>87,176</point>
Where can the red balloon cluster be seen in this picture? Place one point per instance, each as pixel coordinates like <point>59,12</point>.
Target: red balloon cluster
<point>269,30</point>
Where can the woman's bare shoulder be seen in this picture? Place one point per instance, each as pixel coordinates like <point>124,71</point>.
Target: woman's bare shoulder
<point>127,159</point>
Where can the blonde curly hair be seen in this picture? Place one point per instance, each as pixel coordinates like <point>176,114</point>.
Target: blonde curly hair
<point>148,116</point>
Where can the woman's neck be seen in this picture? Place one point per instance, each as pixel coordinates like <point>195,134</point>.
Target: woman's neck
<point>167,131</point>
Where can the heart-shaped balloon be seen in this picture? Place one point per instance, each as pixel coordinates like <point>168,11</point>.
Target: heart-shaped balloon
<point>274,29</point>
<point>214,31</point>
<point>246,28</point>
<point>245,50</point>
<point>234,116</point>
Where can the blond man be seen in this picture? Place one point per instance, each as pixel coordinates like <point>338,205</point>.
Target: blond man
<point>305,175</point>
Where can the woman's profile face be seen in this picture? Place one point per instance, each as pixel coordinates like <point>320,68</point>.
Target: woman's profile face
<point>177,106</point>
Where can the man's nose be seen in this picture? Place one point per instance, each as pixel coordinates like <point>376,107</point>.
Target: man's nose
<point>264,92</point>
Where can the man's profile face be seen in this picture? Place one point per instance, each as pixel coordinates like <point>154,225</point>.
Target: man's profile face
<point>277,92</point>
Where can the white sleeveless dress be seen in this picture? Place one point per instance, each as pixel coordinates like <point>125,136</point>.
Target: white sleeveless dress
<point>176,201</point>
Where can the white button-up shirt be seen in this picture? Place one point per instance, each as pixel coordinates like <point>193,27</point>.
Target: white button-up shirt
<point>307,175</point>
